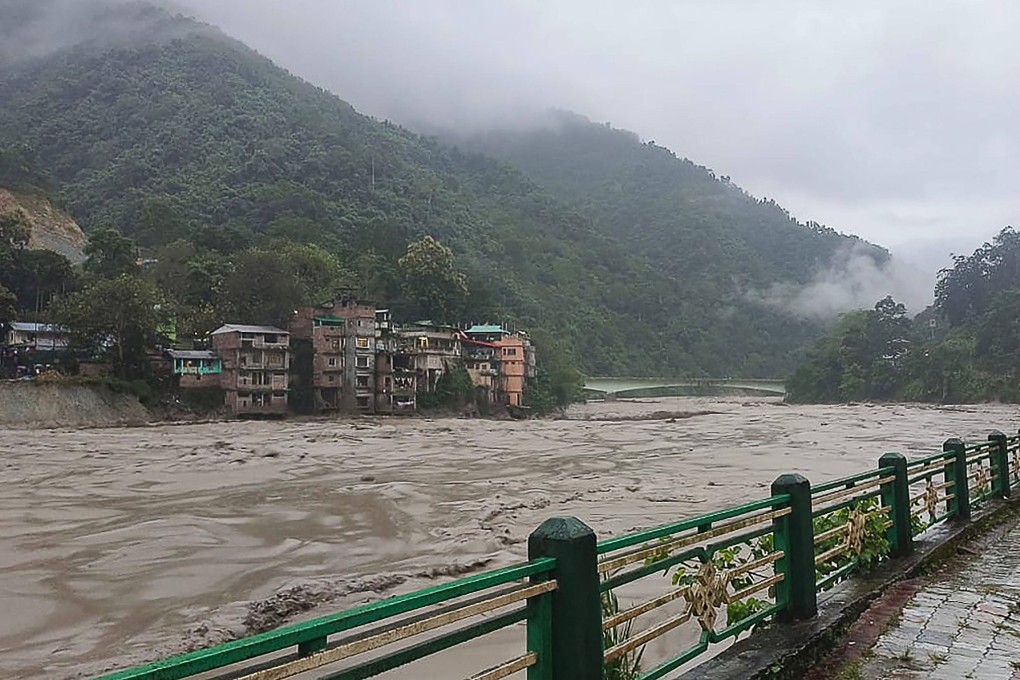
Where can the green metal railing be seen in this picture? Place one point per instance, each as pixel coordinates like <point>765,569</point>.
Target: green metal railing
<point>716,561</point>
<point>721,575</point>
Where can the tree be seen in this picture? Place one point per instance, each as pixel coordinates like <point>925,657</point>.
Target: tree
<point>15,229</point>
<point>431,281</point>
<point>865,357</point>
<point>37,276</point>
<point>110,254</point>
<point>557,382</point>
<point>8,307</point>
<point>266,286</point>
<point>118,317</point>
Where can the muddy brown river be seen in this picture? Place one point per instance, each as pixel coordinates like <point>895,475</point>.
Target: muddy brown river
<point>118,546</point>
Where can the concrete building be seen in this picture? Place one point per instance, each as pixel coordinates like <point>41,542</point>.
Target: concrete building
<point>255,362</point>
<point>342,336</point>
<point>28,336</point>
<point>432,350</point>
<point>195,368</point>
<point>499,361</point>
<point>396,381</point>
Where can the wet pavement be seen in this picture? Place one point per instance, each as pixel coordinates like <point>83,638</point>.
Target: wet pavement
<point>962,624</point>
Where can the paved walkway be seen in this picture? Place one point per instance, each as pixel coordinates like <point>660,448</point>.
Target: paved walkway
<point>963,623</point>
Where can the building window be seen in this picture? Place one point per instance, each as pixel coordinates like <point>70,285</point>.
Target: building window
<point>271,339</point>
<point>362,343</point>
<point>363,381</point>
<point>332,378</point>
<point>361,362</point>
<point>332,361</point>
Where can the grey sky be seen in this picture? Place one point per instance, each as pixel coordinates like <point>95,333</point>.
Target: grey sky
<point>894,120</point>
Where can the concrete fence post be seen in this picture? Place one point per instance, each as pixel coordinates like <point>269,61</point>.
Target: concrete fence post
<point>896,496</point>
<point>795,536</point>
<point>1000,461</point>
<point>956,471</point>
<point>576,644</point>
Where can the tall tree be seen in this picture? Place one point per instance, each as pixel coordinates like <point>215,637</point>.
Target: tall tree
<point>110,254</point>
<point>432,281</point>
<point>118,317</point>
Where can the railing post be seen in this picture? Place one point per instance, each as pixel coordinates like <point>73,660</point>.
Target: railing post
<point>576,644</point>
<point>956,470</point>
<point>1000,461</point>
<point>896,496</point>
<point>795,536</point>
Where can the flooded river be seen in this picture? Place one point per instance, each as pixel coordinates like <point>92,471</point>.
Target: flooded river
<point>118,546</point>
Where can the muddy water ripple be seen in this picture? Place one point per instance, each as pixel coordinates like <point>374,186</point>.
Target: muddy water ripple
<point>118,546</point>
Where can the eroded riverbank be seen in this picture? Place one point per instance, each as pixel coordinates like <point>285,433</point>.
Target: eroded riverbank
<point>120,545</point>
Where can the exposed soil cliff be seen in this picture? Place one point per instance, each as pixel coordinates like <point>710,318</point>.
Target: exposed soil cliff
<point>29,405</point>
<point>52,229</point>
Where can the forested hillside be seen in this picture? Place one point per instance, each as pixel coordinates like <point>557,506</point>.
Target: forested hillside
<point>965,348</point>
<point>201,150</point>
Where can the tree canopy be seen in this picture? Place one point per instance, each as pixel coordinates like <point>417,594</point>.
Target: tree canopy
<point>965,348</point>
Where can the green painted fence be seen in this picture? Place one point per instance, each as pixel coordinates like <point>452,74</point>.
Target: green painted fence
<point>721,574</point>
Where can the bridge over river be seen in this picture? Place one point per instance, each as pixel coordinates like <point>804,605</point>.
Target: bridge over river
<point>622,388</point>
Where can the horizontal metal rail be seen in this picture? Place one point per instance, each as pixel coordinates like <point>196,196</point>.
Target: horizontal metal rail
<point>285,637</point>
<point>665,548</point>
<point>665,530</point>
<point>348,649</point>
<point>508,668</point>
<point>850,491</point>
<point>851,480</point>
<point>941,455</point>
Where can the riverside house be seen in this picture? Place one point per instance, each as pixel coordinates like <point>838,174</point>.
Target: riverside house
<point>256,361</point>
<point>195,368</point>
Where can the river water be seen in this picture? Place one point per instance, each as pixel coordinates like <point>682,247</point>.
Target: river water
<point>118,546</point>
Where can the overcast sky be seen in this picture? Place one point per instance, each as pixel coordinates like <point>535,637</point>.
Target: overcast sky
<point>898,121</point>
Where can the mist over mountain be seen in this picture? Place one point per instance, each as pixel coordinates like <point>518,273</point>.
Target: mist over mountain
<point>640,261</point>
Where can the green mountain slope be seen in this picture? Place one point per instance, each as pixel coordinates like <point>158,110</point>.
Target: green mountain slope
<point>663,206</point>
<point>189,134</point>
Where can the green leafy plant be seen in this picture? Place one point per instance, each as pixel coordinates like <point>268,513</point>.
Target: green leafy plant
<point>874,547</point>
<point>626,666</point>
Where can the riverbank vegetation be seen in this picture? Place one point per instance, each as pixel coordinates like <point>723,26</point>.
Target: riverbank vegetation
<point>965,348</point>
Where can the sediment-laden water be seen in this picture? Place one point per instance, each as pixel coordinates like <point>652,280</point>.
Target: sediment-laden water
<point>118,546</point>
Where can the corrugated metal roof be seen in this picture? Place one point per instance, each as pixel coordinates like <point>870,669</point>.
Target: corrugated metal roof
<point>486,328</point>
<point>240,328</point>
<point>191,354</point>
<point>32,327</point>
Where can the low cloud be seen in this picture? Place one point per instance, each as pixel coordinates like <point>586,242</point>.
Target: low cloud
<point>854,280</point>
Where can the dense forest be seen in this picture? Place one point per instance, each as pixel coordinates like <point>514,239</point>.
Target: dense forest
<point>250,189</point>
<point>966,348</point>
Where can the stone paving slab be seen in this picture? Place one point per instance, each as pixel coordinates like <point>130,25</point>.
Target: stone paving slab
<point>965,623</point>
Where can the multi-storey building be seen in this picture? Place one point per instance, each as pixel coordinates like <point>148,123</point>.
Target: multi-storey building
<point>395,378</point>
<point>342,336</point>
<point>255,361</point>
<point>432,350</point>
<point>499,361</point>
